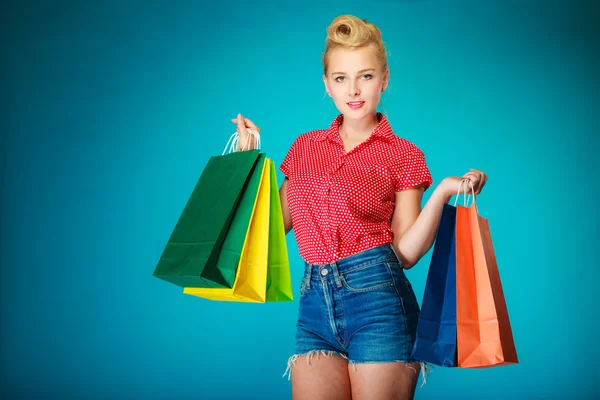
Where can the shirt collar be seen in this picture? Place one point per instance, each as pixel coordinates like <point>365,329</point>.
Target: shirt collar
<point>383,129</point>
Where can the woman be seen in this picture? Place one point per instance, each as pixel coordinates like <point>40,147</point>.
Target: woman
<point>353,195</point>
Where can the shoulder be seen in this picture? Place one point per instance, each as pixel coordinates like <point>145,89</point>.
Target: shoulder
<point>404,149</point>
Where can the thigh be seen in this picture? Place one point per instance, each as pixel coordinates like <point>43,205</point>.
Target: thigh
<point>384,381</point>
<point>320,376</point>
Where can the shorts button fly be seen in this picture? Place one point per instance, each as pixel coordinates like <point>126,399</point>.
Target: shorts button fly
<point>324,272</point>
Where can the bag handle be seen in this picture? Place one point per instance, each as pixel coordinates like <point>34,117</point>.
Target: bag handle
<point>234,139</point>
<point>465,196</point>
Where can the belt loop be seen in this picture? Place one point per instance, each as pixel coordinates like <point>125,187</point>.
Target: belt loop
<point>336,274</point>
<point>309,275</point>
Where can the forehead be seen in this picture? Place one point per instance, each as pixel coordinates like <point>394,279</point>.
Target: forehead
<point>353,60</point>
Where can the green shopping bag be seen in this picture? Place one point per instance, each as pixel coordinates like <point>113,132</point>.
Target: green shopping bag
<point>279,280</point>
<point>264,271</point>
<point>191,256</point>
<point>231,251</point>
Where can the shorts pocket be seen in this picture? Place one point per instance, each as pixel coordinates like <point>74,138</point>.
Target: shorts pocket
<point>369,278</point>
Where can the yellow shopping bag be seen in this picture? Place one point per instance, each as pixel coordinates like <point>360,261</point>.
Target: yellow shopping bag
<point>250,283</point>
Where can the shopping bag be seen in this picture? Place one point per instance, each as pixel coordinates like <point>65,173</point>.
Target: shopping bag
<point>509,350</point>
<point>231,251</point>
<point>190,257</point>
<point>250,284</point>
<point>484,335</point>
<point>436,330</point>
<point>279,280</point>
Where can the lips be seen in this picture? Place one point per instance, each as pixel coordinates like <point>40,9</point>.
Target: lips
<point>355,104</point>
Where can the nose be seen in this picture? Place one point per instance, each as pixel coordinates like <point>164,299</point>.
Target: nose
<point>354,89</point>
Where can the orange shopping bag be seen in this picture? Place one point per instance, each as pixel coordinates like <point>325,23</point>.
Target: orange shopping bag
<point>484,335</point>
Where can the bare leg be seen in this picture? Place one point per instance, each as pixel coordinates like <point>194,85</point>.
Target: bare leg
<point>384,381</point>
<point>320,375</point>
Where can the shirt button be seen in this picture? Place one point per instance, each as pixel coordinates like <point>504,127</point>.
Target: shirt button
<point>324,272</point>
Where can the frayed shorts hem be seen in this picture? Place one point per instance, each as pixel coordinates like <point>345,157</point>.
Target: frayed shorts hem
<point>292,360</point>
<point>425,367</point>
<point>382,361</point>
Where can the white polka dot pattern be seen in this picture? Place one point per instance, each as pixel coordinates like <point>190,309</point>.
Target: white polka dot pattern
<point>342,203</point>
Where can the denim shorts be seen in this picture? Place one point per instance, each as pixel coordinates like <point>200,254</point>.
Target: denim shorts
<point>361,307</point>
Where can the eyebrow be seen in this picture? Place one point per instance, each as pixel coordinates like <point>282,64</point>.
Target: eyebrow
<point>360,72</point>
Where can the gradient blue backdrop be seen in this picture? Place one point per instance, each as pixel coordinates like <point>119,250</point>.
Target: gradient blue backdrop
<point>111,110</point>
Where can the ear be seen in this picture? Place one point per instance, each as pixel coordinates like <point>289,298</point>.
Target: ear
<point>325,83</point>
<point>386,79</point>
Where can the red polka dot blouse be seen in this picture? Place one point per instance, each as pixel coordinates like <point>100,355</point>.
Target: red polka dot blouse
<point>342,203</point>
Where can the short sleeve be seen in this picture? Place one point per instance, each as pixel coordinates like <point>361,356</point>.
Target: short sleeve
<point>289,160</point>
<point>412,171</point>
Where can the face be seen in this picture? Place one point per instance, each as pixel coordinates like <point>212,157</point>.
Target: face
<point>355,80</point>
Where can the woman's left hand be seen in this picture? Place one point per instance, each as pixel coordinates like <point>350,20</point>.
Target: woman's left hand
<point>476,177</point>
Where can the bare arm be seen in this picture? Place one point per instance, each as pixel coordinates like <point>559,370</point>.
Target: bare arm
<point>285,208</point>
<point>415,229</point>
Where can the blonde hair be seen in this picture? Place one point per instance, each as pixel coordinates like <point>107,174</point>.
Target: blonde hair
<point>350,32</point>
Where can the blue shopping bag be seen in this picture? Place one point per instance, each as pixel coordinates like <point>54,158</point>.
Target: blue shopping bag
<point>436,331</point>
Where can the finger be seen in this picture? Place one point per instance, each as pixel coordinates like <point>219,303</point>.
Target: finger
<point>471,176</point>
<point>480,183</point>
<point>475,172</point>
<point>241,125</point>
<point>248,123</point>
<point>482,177</point>
<point>483,182</point>
<point>474,182</point>
<point>251,125</point>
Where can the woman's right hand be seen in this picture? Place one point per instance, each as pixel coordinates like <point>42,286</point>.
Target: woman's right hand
<point>246,141</point>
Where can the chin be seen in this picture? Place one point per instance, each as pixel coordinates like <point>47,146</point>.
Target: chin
<point>358,114</point>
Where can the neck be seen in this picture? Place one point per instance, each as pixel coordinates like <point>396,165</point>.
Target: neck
<point>358,128</point>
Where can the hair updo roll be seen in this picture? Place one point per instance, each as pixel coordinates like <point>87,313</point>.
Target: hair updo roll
<point>350,32</point>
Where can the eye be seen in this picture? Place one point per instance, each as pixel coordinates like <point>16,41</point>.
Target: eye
<point>367,76</point>
<point>339,77</point>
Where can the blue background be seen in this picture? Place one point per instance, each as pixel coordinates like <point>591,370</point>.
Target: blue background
<point>111,110</point>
